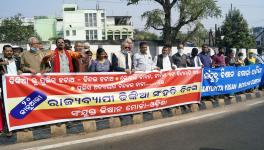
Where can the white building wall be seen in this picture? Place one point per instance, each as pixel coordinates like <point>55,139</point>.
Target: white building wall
<point>75,21</point>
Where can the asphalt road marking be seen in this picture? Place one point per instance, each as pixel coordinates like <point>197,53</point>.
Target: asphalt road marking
<point>256,103</point>
<point>129,132</point>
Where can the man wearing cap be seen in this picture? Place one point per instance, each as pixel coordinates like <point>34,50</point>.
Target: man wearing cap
<point>17,51</point>
<point>250,59</point>
<point>17,54</point>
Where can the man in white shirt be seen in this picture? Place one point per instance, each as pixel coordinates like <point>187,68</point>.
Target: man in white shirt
<point>164,61</point>
<point>8,63</point>
<point>122,60</point>
<point>142,61</point>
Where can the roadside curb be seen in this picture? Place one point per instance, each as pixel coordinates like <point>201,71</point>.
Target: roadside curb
<point>87,126</point>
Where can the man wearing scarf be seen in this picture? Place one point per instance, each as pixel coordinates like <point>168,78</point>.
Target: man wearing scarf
<point>60,60</point>
<point>122,60</point>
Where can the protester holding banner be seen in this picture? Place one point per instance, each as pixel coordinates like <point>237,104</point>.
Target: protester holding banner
<point>240,60</point>
<point>31,60</point>
<point>8,65</point>
<point>180,59</point>
<point>142,61</point>
<point>88,59</point>
<point>230,59</point>
<point>250,59</point>
<point>205,56</point>
<point>61,59</point>
<point>79,64</point>
<point>17,52</point>
<point>122,60</point>
<point>219,59</point>
<point>164,61</point>
<point>193,60</point>
<point>101,64</point>
<point>130,44</point>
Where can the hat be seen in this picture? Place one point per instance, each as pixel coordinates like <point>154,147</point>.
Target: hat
<point>17,47</point>
<point>250,51</point>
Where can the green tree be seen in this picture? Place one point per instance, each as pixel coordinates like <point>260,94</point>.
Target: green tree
<point>143,35</point>
<point>236,32</point>
<point>190,11</point>
<point>196,35</point>
<point>12,30</point>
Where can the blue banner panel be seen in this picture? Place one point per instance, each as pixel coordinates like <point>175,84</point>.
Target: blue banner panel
<point>227,80</point>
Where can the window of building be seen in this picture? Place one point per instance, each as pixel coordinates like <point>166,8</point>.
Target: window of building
<point>67,33</point>
<point>94,20</point>
<point>90,19</point>
<point>117,35</point>
<point>110,37</point>
<point>124,36</point>
<point>95,35</point>
<point>102,15</point>
<point>91,35</point>
<point>86,19</point>
<point>69,9</point>
<point>74,32</point>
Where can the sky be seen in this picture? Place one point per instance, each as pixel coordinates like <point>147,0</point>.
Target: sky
<point>252,10</point>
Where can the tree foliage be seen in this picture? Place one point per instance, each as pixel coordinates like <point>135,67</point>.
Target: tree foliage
<point>190,13</point>
<point>12,30</point>
<point>236,32</point>
<point>196,35</point>
<point>143,35</point>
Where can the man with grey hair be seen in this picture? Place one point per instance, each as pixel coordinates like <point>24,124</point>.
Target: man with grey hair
<point>122,60</point>
<point>130,43</point>
<point>31,60</point>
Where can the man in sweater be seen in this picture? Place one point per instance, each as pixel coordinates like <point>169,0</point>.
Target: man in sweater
<point>180,59</point>
<point>164,61</point>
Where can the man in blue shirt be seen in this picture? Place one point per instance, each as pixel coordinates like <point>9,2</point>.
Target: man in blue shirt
<point>205,56</point>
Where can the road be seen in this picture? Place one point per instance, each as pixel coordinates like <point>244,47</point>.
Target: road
<point>234,127</point>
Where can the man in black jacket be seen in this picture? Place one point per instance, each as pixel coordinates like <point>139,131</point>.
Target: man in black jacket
<point>164,60</point>
<point>180,59</point>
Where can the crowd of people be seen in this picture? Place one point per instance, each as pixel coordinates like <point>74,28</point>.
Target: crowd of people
<point>64,59</point>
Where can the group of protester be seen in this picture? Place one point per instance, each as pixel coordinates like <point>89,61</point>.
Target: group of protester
<point>65,60</point>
